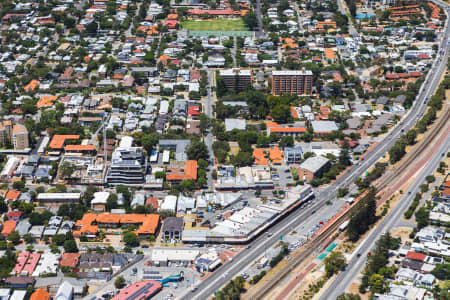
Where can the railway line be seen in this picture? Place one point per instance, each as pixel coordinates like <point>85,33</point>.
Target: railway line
<point>383,183</point>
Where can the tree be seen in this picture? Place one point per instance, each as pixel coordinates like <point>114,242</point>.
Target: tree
<point>88,195</point>
<point>70,246</point>
<point>410,137</point>
<point>333,262</point>
<point>19,185</point>
<point>197,150</point>
<point>286,141</point>
<point>91,28</point>
<point>111,202</point>
<point>119,282</point>
<point>251,20</point>
<point>422,217</point>
<point>363,217</point>
<point>66,169</point>
<point>59,239</point>
<point>14,237</point>
<point>442,271</point>
<point>242,159</point>
<point>348,296</point>
<point>378,284</point>
<point>28,238</point>
<point>344,158</point>
<point>205,123</point>
<point>130,239</point>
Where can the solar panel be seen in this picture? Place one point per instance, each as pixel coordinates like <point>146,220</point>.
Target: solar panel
<point>152,277</point>
<point>151,272</point>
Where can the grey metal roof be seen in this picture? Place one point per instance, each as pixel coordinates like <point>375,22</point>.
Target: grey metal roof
<point>314,163</point>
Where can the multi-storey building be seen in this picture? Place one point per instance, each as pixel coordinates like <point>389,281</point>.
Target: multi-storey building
<point>236,79</point>
<point>20,137</point>
<point>292,82</point>
<point>6,129</point>
<point>126,164</point>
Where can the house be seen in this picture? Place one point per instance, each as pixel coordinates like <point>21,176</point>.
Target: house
<point>65,292</point>
<point>172,228</point>
<point>8,227</point>
<point>313,167</point>
<point>231,124</point>
<point>40,294</point>
<point>99,201</point>
<point>21,282</point>
<point>70,260</point>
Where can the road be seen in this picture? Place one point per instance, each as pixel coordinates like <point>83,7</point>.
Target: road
<point>355,265</point>
<point>343,9</point>
<point>258,246</point>
<point>209,136</point>
<point>259,33</point>
<point>344,279</point>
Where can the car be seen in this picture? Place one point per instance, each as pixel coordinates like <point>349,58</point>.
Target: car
<point>368,254</point>
<point>358,255</point>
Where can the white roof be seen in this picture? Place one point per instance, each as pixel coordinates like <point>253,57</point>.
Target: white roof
<point>231,124</point>
<point>169,203</point>
<point>126,142</point>
<point>174,254</point>
<point>56,196</point>
<point>100,198</point>
<point>65,292</point>
<point>18,295</point>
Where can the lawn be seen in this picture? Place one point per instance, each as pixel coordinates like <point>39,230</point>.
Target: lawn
<point>214,25</point>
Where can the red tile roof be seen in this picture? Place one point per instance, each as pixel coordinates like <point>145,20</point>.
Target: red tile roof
<point>415,256</point>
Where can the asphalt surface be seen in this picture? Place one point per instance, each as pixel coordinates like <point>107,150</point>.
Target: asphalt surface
<point>392,220</point>
<point>228,271</point>
<point>209,137</point>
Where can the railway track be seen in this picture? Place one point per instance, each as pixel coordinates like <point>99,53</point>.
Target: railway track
<point>384,182</point>
<point>412,156</point>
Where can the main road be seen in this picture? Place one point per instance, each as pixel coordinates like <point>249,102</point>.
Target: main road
<point>355,265</point>
<point>257,247</point>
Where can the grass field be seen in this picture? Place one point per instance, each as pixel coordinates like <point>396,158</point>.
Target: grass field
<point>214,25</point>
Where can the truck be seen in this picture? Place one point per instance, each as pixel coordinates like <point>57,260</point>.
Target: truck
<point>262,262</point>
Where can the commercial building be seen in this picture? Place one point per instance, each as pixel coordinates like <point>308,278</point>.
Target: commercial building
<point>236,79</point>
<point>20,137</point>
<point>292,82</point>
<point>139,291</point>
<point>172,228</point>
<point>55,198</point>
<point>163,257</point>
<point>313,167</point>
<point>126,164</point>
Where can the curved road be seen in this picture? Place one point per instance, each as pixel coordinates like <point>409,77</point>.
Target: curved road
<point>228,271</point>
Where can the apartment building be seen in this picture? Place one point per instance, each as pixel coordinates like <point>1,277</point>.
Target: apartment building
<point>236,79</point>
<point>292,82</point>
<point>20,137</point>
<point>5,132</point>
<point>126,164</point>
